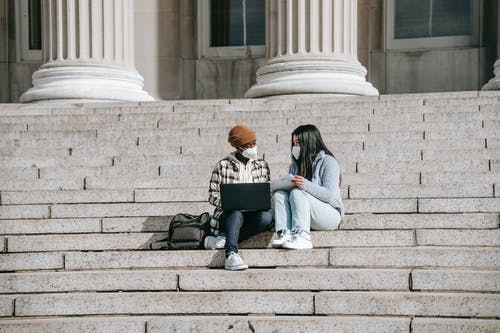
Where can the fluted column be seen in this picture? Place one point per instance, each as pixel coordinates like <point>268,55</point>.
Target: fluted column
<point>311,46</point>
<point>494,83</point>
<point>88,53</point>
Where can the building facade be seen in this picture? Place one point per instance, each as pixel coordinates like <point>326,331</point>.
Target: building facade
<point>199,49</point>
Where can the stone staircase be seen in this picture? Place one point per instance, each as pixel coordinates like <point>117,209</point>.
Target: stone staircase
<point>84,190</point>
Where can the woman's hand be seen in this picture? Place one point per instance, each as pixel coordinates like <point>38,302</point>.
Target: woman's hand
<point>298,181</point>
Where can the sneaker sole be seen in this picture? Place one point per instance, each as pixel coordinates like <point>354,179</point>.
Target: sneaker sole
<point>236,268</point>
<point>296,248</point>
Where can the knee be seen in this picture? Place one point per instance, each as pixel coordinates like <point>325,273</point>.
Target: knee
<point>280,196</point>
<point>297,194</point>
<point>265,220</point>
<point>234,216</point>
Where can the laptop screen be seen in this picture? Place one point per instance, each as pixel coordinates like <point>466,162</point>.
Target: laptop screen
<point>247,196</point>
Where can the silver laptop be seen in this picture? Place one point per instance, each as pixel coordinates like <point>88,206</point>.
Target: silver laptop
<point>248,196</point>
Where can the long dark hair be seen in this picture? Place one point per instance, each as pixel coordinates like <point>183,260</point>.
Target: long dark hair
<point>311,144</point>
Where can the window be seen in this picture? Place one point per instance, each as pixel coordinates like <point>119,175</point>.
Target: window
<point>29,30</point>
<point>431,23</point>
<point>231,28</point>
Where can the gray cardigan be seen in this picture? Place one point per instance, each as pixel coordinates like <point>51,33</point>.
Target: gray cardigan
<point>324,184</point>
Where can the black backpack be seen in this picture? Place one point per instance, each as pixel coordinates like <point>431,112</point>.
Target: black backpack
<point>186,232</point>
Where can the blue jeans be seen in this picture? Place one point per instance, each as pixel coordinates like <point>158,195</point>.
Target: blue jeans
<point>240,225</point>
<point>298,210</point>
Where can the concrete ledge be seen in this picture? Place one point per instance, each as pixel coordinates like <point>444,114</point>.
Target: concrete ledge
<point>87,242</point>
<point>477,205</point>
<point>265,324</point>
<point>165,303</point>
<point>296,279</point>
<point>407,304</point>
<point>454,280</point>
<point>459,237</point>
<point>97,281</point>
<point>24,212</point>
<point>355,206</point>
<point>420,221</point>
<point>200,258</point>
<point>436,325</point>
<point>70,196</point>
<point>6,306</point>
<point>31,261</point>
<point>66,325</point>
<point>42,184</point>
<point>50,226</point>
<point>131,209</point>
<point>416,257</point>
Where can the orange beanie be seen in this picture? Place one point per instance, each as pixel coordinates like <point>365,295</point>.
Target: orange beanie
<point>240,135</point>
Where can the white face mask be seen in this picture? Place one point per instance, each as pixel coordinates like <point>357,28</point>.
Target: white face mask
<point>296,152</point>
<point>250,153</point>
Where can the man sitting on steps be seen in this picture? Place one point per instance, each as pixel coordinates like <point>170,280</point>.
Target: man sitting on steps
<point>240,166</point>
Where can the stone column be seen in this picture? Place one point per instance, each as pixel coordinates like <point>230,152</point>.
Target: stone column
<point>311,46</point>
<point>494,83</point>
<point>88,53</point>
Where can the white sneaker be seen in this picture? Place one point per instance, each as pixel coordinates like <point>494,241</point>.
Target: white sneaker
<point>281,237</point>
<point>234,262</point>
<point>214,242</point>
<point>300,240</point>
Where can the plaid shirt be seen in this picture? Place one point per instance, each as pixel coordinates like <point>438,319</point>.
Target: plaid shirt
<point>226,171</point>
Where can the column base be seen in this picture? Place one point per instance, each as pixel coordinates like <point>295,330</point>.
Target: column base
<point>86,83</point>
<point>312,77</point>
<point>494,83</point>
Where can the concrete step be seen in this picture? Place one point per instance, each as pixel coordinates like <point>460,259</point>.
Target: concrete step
<point>248,324</point>
<point>305,303</point>
<point>342,257</point>
<point>219,280</point>
<point>411,221</point>
<point>404,304</point>
<point>160,223</point>
<point>445,190</point>
<point>242,324</point>
<point>320,239</point>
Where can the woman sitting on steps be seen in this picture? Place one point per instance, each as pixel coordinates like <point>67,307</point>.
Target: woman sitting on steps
<point>314,202</point>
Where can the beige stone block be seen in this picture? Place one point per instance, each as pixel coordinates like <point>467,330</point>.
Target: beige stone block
<point>136,224</point>
<point>420,221</point>
<point>446,154</point>
<point>164,303</point>
<point>458,237</point>
<point>129,210</point>
<point>354,206</point>
<point>3,244</point>
<point>464,116</point>
<point>71,196</point>
<point>201,258</point>
<point>472,205</point>
<point>296,279</point>
<point>42,184</point>
<point>17,173</point>
<point>24,212</point>
<point>407,304</point>
<point>6,306</point>
<point>437,325</point>
<point>399,178</point>
<point>174,194</point>
<point>485,177</point>
<point>263,324</point>
<point>86,242</point>
<point>421,191</point>
<point>88,281</point>
<point>476,166</point>
<point>416,257</point>
<point>49,226</point>
<point>31,261</point>
<point>452,280</point>
<point>363,238</point>
<point>45,161</point>
<point>69,325</point>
